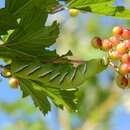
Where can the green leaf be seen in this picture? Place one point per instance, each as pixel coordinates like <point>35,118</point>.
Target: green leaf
<point>31,37</point>
<point>24,9</point>
<point>57,75</point>
<point>40,92</point>
<point>32,43</point>
<point>32,32</point>
<point>35,67</point>
<point>25,92</point>
<point>39,98</point>
<point>7,21</point>
<point>102,7</point>
<point>8,15</point>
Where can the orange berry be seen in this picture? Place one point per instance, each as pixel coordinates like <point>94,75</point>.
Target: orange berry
<point>127,42</point>
<point>124,69</point>
<point>126,34</point>
<point>115,40</point>
<point>125,58</point>
<point>13,82</point>
<point>117,31</point>
<point>115,55</point>
<point>122,48</point>
<point>106,45</point>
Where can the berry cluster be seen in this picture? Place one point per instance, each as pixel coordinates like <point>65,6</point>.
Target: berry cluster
<point>118,50</point>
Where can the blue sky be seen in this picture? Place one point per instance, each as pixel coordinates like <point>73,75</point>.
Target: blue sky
<point>2,2</point>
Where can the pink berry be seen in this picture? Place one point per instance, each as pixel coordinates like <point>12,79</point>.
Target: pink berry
<point>117,31</point>
<point>127,42</point>
<point>115,40</point>
<point>124,69</point>
<point>125,58</point>
<point>126,34</point>
<point>115,55</point>
<point>122,48</point>
<point>106,45</point>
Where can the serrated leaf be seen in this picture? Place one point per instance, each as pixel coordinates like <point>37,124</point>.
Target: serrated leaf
<point>31,36</point>
<point>32,44</point>
<point>32,32</point>
<point>8,17</point>
<point>39,98</point>
<point>7,21</point>
<point>102,7</point>
<point>60,97</point>
<point>25,92</point>
<point>39,93</point>
<point>58,75</point>
<point>15,9</point>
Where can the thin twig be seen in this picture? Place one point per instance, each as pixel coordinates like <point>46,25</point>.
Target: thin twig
<point>115,67</point>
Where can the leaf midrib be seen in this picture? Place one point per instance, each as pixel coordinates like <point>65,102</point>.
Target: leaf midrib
<point>18,51</point>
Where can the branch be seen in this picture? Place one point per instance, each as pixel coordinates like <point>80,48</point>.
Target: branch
<point>115,67</point>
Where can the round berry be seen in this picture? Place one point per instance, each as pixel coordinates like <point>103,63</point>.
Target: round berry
<point>126,34</point>
<point>6,72</point>
<point>74,12</point>
<point>96,42</point>
<point>117,31</point>
<point>127,42</point>
<point>121,81</point>
<point>106,45</point>
<point>125,58</point>
<point>115,55</point>
<point>122,48</point>
<point>115,40</point>
<point>13,82</point>
<point>124,69</point>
